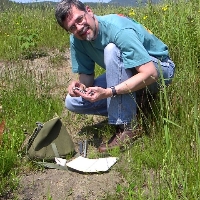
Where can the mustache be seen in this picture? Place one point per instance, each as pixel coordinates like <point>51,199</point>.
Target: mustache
<point>83,30</point>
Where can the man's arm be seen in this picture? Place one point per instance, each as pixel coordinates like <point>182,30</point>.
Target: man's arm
<point>147,74</point>
<point>87,80</point>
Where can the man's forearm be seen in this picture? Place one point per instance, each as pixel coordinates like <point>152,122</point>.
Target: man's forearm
<point>87,80</point>
<point>147,74</point>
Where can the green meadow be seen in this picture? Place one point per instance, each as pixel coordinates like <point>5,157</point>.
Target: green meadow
<point>165,162</point>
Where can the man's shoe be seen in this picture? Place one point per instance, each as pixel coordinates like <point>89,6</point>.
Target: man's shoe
<point>119,140</point>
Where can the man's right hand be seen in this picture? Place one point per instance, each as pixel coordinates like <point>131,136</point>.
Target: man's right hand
<point>71,88</point>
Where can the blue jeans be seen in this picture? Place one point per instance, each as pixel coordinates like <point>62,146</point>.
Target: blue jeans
<point>122,108</point>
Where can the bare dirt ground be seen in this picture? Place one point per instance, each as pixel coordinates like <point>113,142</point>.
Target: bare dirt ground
<point>59,184</point>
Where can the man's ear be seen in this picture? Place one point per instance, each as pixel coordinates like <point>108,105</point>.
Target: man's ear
<point>89,11</point>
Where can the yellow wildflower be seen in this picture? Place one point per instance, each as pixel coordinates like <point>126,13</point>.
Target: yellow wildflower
<point>132,13</point>
<point>165,8</point>
<point>145,17</point>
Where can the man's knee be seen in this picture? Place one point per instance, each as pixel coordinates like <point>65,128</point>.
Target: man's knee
<point>68,103</point>
<point>109,48</point>
<point>111,54</point>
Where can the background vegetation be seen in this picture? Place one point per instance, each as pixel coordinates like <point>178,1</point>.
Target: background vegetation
<point>165,163</point>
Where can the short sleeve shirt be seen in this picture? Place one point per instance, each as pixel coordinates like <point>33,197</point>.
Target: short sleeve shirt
<point>134,41</point>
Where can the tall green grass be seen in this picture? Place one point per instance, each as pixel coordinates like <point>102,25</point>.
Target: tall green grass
<point>32,29</point>
<point>165,163</point>
<point>23,102</point>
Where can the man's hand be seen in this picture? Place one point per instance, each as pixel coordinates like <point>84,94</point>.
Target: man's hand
<point>72,88</point>
<point>93,94</point>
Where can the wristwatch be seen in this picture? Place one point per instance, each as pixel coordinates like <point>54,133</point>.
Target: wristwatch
<point>114,92</point>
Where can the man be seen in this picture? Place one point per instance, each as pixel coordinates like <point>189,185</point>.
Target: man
<point>131,55</point>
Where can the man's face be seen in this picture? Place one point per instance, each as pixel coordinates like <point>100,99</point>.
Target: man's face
<point>82,24</point>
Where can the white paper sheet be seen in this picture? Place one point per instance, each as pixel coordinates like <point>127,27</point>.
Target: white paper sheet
<point>60,161</point>
<point>92,165</point>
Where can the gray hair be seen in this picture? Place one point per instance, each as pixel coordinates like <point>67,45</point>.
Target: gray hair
<point>63,10</point>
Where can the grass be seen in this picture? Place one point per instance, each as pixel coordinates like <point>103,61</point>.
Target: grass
<point>165,163</point>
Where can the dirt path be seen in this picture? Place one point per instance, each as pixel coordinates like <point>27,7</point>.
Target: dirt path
<point>59,184</point>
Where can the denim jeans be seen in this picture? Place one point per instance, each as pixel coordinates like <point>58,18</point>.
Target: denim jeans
<point>122,108</point>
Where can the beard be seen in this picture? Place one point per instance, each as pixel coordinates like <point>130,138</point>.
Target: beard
<point>92,35</point>
<point>88,36</point>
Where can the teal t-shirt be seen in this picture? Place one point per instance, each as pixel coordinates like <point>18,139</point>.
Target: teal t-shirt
<point>135,42</point>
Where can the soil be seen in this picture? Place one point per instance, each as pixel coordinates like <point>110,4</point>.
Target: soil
<point>60,184</point>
